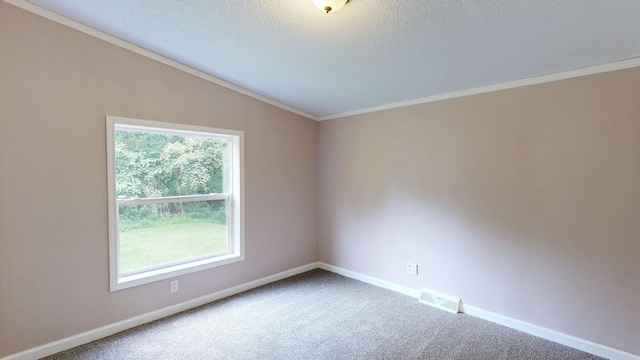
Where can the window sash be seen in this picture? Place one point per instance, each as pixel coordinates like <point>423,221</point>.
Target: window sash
<point>174,263</point>
<point>169,199</point>
<point>175,199</point>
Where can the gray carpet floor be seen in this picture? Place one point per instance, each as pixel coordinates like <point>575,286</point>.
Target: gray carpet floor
<point>320,315</point>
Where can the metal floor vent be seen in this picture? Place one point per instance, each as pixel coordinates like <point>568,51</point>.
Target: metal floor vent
<point>441,301</point>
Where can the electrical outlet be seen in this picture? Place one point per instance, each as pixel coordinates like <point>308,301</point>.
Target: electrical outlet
<point>412,268</point>
<point>174,286</point>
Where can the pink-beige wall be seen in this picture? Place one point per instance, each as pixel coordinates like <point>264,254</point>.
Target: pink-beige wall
<point>56,87</point>
<point>524,202</point>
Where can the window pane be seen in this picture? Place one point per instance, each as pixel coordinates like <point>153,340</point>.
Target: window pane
<point>151,164</point>
<point>158,234</point>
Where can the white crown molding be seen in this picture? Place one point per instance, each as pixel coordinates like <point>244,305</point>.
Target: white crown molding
<point>591,70</point>
<point>25,5</point>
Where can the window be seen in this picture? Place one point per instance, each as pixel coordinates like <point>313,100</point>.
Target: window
<point>175,200</point>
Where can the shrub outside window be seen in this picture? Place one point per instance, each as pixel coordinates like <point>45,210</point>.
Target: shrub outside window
<point>175,199</point>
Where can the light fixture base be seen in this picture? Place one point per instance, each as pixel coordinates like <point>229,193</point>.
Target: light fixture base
<point>328,6</point>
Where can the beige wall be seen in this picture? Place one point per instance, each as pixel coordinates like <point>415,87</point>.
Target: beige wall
<point>56,87</point>
<point>523,202</point>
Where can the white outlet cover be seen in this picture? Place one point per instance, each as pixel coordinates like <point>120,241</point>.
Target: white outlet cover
<point>412,268</point>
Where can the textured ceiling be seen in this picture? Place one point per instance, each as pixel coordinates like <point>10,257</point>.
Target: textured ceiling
<point>371,52</point>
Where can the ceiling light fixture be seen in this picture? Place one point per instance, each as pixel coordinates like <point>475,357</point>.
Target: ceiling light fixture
<point>329,5</point>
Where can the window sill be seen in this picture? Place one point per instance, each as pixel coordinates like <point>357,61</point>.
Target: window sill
<point>128,281</point>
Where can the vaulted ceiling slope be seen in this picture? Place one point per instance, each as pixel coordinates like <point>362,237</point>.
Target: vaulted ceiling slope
<point>371,52</point>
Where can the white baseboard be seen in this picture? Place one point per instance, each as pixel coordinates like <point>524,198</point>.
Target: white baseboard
<point>91,335</point>
<point>555,336</point>
<point>552,335</point>
<point>95,334</point>
<point>370,280</point>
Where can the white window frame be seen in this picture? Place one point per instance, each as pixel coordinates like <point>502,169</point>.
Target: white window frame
<point>234,196</point>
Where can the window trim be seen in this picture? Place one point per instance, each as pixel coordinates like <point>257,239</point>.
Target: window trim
<point>235,203</point>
